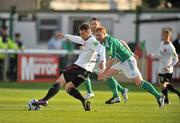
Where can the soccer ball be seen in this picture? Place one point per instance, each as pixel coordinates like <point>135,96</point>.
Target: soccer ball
<point>32,107</point>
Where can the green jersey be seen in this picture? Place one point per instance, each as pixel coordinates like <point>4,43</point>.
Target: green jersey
<point>116,49</point>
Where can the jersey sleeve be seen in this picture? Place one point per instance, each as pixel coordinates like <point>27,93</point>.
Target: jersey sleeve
<point>175,58</point>
<point>174,54</point>
<point>75,39</point>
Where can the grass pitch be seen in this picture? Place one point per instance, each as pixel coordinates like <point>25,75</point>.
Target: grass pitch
<point>141,107</point>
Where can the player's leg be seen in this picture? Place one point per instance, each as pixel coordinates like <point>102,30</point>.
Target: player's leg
<point>146,86</point>
<point>113,87</point>
<point>52,91</point>
<point>55,88</point>
<point>169,86</point>
<point>140,82</point>
<point>115,71</point>
<point>124,91</point>
<point>88,86</point>
<point>162,85</point>
<point>131,70</point>
<point>74,77</point>
<point>151,89</point>
<point>164,91</point>
<point>71,90</point>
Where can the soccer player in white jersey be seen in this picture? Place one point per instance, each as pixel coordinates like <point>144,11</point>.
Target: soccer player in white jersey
<point>94,22</point>
<point>167,59</point>
<point>75,74</point>
<point>113,84</point>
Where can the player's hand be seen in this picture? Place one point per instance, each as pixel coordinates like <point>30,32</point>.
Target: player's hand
<point>102,65</point>
<point>101,75</point>
<point>60,35</point>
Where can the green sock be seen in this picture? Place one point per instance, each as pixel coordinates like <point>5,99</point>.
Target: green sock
<point>149,87</point>
<point>113,86</point>
<point>88,85</point>
<point>119,87</point>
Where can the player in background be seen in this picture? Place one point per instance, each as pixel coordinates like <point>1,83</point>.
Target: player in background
<point>126,63</point>
<point>112,82</point>
<point>76,73</point>
<point>167,59</point>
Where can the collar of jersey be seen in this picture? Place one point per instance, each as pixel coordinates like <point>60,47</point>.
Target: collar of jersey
<point>88,37</point>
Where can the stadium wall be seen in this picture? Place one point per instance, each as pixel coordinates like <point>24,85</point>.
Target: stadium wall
<point>119,24</point>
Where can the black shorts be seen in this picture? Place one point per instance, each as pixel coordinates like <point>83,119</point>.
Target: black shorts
<point>167,77</point>
<point>75,74</point>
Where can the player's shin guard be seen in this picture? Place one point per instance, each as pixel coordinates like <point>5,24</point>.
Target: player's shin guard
<point>119,87</point>
<point>52,91</point>
<point>113,86</point>
<point>76,94</point>
<point>88,85</point>
<point>165,93</point>
<point>149,87</point>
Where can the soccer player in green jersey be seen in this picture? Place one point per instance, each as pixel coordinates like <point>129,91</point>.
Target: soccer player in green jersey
<point>125,63</point>
<point>112,82</point>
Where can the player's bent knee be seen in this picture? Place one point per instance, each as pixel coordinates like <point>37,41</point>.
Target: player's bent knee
<point>137,83</point>
<point>138,80</point>
<point>61,80</point>
<point>70,91</point>
<point>165,84</point>
<point>69,85</point>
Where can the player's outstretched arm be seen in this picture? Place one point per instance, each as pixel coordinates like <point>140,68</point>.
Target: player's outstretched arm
<point>125,44</point>
<point>73,38</point>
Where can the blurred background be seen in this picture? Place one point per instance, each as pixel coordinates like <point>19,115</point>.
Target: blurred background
<point>29,52</point>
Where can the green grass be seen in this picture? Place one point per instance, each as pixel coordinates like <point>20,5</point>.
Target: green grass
<point>141,107</point>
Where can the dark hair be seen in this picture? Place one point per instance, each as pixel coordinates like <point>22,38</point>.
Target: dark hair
<point>94,19</point>
<point>84,26</point>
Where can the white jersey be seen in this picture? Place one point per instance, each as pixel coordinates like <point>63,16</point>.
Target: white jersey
<point>167,57</point>
<point>91,47</point>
